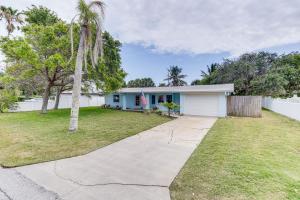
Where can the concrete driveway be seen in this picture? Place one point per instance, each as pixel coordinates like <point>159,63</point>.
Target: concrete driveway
<point>140,167</point>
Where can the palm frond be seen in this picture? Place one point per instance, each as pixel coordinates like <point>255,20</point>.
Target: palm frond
<point>100,5</point>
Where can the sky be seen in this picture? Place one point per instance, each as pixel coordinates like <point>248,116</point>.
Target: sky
<point>191,34</point>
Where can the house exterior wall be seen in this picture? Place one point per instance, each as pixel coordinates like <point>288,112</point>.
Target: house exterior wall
<point>211,104</point>
<point>109,100</point>
<point>127,101</point>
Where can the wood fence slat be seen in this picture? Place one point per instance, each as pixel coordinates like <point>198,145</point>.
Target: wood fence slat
<point>244,106</point>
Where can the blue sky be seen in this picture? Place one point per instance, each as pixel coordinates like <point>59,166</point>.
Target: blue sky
<point>192,34</point>
<point>139,61</point>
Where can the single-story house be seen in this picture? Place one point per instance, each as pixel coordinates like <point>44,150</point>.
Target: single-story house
<point>201,100</point>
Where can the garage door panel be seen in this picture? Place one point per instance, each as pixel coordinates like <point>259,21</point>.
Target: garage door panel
<point>203,105</point>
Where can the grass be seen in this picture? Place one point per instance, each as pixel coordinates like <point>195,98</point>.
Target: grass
<point>30,137</point>
<point>244,158</point>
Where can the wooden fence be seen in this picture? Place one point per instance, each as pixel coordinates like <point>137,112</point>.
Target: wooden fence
<point>244,106</point>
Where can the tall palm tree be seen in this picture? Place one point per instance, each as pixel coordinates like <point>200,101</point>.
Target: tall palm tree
<point>90,15</point>
<point>12,17</point>
<point>175,78</point>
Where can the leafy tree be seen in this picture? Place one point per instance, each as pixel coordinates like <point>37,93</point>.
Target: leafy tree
<point>270,84</point>
<point>109,76</point>
<point>28,83</point>
<point>11,17</point>
<point>170,106</point>
<point>143,82</point>
<point>288,66</point>
<point>196,82</point>
<point>40,15</point>
<point>44,51</point>
<point>242,71</point>
<point>88,18</point>
<point>175,78</point>
<point>162,85</point>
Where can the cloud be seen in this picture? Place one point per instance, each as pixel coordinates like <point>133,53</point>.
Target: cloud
<point>205,26</point>
<point>195,26</point>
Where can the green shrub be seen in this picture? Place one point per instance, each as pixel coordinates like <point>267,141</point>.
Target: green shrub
<point>170,106</point>
<point>8,99</point>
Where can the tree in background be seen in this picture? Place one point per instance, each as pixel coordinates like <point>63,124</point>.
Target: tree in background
<point>196,82</point>
<point>41,15</point>
<point>8,93</point>
<point>208,76</point>
<point>175,76</point>
<point>244,71</point>
<point>210,70</point>
<point>143,82</point>
<point>109,75</point>
<point>270,84</point>
<point>11,17</point>
<point>162,85</point>
<point>28,83</point>
<point>89,17</point>
<point>288,67</point>
<point>258,74</point>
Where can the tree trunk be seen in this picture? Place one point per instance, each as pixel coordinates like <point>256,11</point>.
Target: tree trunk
<point>57,98</point>
<point>46,98</point>
<point>77,82</point>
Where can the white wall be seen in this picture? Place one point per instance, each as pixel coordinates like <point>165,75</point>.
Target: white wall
<point>204,104</point>
<point>65,102</point>
<point>288,107</point>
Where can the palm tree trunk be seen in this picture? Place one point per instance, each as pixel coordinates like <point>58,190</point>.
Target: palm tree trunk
<point>57,98</point>
<point>77,82</point>
<point>46,98</point>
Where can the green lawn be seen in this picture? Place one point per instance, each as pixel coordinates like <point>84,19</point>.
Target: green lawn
<point>244,158</point>
<point>30,137</point>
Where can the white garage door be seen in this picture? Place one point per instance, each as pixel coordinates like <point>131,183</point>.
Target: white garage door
<point>201,104</point>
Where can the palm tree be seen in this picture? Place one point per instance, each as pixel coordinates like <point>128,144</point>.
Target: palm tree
<point>210,69</point>
<point>175,78</point>
<point>11,17</point>
<point>90,16</point>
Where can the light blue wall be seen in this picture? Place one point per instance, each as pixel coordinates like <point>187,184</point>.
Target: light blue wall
<point>129,100</point>
<point>109,100</point>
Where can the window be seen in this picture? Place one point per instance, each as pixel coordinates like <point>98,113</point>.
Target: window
<point>153,99</point>
<point>137,100</point>
<point>169,98</point>
<point>116,98</point>
<point>161,99</point>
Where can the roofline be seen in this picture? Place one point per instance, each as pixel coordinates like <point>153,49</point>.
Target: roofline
<point>182,89</point>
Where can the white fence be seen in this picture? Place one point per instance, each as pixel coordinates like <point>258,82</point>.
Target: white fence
<point>288,107</point>
<point>65,102</point>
